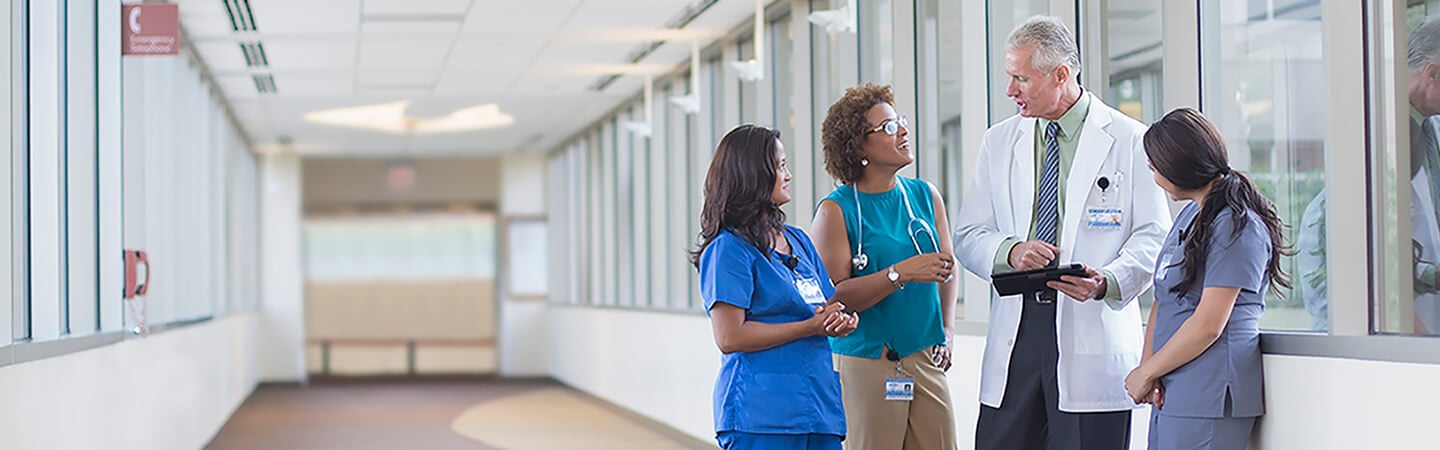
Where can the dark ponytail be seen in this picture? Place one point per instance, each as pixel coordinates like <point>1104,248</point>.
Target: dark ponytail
<point>1187,149</point>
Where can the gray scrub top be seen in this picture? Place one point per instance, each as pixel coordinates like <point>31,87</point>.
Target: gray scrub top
<point>1198,388</point>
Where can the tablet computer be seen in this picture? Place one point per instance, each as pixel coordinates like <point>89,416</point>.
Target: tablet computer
<point>1030,281</point>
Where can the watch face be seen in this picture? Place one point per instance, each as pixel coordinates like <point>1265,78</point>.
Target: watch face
<point>892,274</point>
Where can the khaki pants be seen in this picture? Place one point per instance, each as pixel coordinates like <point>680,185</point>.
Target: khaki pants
<point>873,423</point>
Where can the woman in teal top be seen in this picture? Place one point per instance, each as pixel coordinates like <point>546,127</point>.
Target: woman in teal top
<point>877,235</point>
<point>767,295</point>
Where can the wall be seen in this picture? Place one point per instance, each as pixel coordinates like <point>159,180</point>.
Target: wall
<point>172,390</point>
<point>282,296</point>
<point>522,322</point>
<point>332,183</point>
<point>663,366</point>
<point>1328,403</point>
<point>368,325</point>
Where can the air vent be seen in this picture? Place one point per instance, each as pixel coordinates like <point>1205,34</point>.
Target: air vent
<point>687,15</point>
<point>241,17</point>
<point>604,82</point>
<point>264,83</point>
<point>254,54</point>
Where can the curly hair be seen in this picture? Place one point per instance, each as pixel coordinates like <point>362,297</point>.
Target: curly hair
<point>845,127</point>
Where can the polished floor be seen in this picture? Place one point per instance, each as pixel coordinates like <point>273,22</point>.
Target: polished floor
<point>440,414</point>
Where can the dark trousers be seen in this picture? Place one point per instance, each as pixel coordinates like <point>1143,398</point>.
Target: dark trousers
<point>1029,418</point>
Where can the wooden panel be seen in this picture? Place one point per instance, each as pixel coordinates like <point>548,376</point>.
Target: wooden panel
<point>442,309</point>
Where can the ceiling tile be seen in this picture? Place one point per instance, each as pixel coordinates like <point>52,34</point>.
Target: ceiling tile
<point>373,78</point>
<point>238,86</point>
<point>530,60</point>
<point>298,54</point>
<point>288,17</point>
<point>572,53</point>
<point>627,13</point>
<point>553,84</point>
<point>412,7</point>
<point>472,52</point>
<point>223,55</point>
<point>410,27</point>
<point>397,53</point>
<point>494,81</point>
<point>315,85</point>
<point>543,18</point>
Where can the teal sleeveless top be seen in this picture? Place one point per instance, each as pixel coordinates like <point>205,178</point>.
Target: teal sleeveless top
<point>908,320</point>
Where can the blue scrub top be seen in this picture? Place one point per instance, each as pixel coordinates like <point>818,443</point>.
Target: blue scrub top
<point>910,319</point>
<point>792,388</point>
<point>1198,388</point>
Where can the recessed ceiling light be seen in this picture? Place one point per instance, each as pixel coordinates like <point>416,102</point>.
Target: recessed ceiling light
<point>391,118</point>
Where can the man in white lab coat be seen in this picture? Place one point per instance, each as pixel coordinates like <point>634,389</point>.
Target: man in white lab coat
<point>1048,188</point>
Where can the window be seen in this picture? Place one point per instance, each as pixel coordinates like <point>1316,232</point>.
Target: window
<point>14,323</point>
<point>1004,17</point>
<point>943,66</point>
<point>80,154</point>
<point>674,181</point>
<point>877,42</point>
<point>1132,59</point>
<point>1263,82</point>
<point>626,207</point>
<point>834,62</point>
<point>749,90</point>
<point>1410,300</point>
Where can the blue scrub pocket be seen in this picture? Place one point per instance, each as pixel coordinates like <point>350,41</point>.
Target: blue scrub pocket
<point>778,403</point>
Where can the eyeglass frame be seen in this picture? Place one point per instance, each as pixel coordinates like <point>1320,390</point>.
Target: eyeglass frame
<point>899,120</point>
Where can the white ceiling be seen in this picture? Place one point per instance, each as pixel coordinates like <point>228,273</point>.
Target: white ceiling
<point>534,59</point>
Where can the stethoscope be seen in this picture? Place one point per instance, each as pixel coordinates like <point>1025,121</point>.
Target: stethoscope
<point>861,260</point>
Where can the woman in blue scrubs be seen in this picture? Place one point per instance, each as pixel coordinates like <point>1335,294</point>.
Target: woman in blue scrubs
<point>1201,365</point>
<point>767,297</point>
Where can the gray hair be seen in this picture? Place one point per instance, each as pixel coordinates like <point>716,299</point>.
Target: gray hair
<point>1424,45</point>
<point>1054,45</point>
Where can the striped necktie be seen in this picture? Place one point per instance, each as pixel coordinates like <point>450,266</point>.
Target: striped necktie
<point>1047,206</point>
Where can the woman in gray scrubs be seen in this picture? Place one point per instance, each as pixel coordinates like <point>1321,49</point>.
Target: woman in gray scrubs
<point>1201,364</point>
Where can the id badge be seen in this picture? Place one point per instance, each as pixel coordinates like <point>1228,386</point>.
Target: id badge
<point>902,389</point>
<point>809,289</point>
<point>1104,219</point>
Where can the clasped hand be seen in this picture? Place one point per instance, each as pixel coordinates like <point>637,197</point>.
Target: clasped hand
<point>831,320</point>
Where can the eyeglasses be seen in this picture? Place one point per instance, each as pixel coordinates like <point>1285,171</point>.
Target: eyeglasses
<point>891,126</point>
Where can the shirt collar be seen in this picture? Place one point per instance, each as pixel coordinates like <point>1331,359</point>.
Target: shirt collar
<point>1071,121</point>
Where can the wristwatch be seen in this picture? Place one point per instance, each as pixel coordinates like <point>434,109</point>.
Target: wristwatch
<point>894,277</point>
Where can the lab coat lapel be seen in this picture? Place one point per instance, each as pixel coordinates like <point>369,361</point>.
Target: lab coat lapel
<point>1022,178</point>
<point>1090,154</point>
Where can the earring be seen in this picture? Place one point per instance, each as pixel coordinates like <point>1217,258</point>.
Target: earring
<point>864,162</point>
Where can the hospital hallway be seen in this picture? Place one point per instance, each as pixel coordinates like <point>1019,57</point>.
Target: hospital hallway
<point>477,224</point>
<point>453,413</point>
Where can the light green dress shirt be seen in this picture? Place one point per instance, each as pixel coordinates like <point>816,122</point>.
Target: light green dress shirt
<point>1069,137</point>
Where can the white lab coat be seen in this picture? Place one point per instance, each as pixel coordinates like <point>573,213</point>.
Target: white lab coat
<point>1426,233</point>
<point>1099,341</point>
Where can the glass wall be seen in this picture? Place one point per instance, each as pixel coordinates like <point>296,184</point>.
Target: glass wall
<point>1412,171</point>
<point>184,177</point>
<point>1003,17</point>
<point>877,41</point>
<point>14,318</point>
<point>1134,73</point>
<point>1265,77</point>
<point>1263,81</point>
